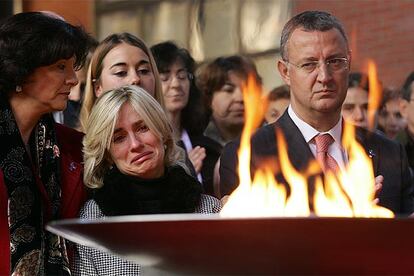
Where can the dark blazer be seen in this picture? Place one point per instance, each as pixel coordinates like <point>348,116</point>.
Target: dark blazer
<point>213,151</point>
<point>388,158</point>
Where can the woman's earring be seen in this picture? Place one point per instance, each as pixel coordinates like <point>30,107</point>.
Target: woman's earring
<point>165,147</point>
<point>18,88</point>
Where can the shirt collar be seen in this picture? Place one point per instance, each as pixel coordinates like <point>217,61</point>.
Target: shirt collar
<point>308,132</point>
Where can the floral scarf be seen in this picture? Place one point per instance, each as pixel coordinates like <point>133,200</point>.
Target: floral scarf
<point>33,195</point>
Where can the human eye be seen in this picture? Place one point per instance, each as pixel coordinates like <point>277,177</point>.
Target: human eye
<point>182,75</point>
<point>336,63</point>
<point>164,76</point>
<point>142,128</point>
<point>228,88</point>
<point>118,138</point>
<point>120,73</point>
<point>309,66</point>
<point>348,107</point>
<point>275,114</point>
<point>383,113</point>
<point>61,66</point>
<point>143,71</point>
<point>398,115</point>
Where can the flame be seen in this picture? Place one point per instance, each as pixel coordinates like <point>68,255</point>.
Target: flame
<point>374,95</point>
<point>348,194</point>
<point>297,204</point>
<point>352,192</point>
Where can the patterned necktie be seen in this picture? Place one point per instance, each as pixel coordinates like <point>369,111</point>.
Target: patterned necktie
<point>324,158</point>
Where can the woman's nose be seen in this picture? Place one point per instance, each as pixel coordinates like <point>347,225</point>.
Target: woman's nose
<point>135,79</point>
<point>359,114</point>
<point>238,94</point>
<point>72,79</point>
<point>135,142</point>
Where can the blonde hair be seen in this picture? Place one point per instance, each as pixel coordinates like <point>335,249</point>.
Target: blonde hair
<point>96,66</point>
<point>100,128</point>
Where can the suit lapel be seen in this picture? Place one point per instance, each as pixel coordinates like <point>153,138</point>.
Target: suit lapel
<point>299,152</point>
<point>362,137</point>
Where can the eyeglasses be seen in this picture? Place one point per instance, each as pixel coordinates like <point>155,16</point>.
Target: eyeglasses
<point>333,64</point>
<point>181,76</point>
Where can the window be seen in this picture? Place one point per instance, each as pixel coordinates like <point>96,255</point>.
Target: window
<point>207,28</point>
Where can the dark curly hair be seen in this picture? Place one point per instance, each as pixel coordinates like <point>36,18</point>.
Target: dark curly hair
<point>279,92</point>
<point>34,39</point>
<point>193,117</point>
<point>212,76</point>
<point>358,79</point>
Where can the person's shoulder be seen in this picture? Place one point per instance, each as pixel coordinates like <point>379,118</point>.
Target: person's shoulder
<point>374,138</point>
<point>284,123</point>
<point>208,204</point>
<point>266,130</point>
<point>91,210</point>
<point>262,137</point>
<point>69,141</point>
<point>65,132</point>
<point>403,137</point>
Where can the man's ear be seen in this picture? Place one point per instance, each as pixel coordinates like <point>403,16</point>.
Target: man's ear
<point>283,71</point>
<point>404,108</point>
<point>349,58</point>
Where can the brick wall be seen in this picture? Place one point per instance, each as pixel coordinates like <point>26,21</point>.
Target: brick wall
<point>381,30</point>
<point>77,12</point>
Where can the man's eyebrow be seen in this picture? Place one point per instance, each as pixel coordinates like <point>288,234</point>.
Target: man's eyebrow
<point>337,55</point>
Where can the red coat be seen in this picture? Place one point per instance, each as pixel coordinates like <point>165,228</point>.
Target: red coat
<point>73,191</point>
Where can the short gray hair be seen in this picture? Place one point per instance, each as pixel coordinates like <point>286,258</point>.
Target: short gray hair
<point>101,124</point>
<point>309,21</point>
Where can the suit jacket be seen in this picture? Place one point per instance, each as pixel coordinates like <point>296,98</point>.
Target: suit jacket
<point>213,151</point>
<point>72,189</point>
<point>388,158</point>
<point>407,141</point>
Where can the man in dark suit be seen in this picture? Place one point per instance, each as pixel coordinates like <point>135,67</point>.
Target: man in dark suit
<point>315,64</point>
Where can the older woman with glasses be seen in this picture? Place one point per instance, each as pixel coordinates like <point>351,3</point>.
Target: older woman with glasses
<point>133,166</point>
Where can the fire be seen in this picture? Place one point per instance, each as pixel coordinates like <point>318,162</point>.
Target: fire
<point>374,95</point>
<point>352,193</point>
<point>349,194</point>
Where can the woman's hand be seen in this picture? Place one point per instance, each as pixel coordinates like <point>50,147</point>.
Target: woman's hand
<point>224,200</point>
<point>196,156</point>
<point>378,187</point>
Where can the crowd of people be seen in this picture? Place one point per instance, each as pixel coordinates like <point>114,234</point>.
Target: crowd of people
<point>147,131</point>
